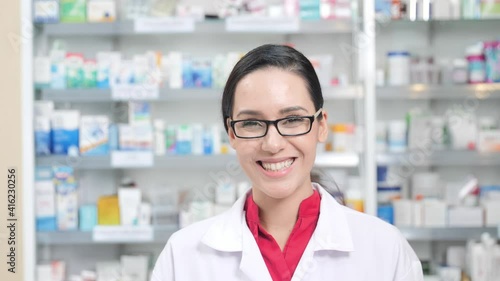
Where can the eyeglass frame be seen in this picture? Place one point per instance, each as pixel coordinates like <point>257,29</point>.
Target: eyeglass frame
<point>275,124</point>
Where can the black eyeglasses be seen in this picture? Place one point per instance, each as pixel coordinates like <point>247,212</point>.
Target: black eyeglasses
<point>288,126</point>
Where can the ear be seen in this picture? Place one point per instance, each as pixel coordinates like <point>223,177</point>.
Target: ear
<point>230,133</point>
<point>323,127</point>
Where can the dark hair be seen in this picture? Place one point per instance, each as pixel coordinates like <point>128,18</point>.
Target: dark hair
<point>267,56</point>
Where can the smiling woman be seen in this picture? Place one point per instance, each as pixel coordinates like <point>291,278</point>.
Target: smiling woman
<point>287,227</point>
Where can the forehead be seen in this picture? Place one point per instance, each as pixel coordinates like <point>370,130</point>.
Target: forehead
<point>270,90</point>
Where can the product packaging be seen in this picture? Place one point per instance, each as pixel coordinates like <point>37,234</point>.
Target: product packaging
<point>139,113</point>
<point>74,70</point>
<point>159,137</point>
<point>490,9</point>
<point>184,140</point>
<point>67,198</point>
<point>108,210</point>
<point>134,268</point>
<point>309,9</point>
<point>43,140</point>
<point>45,200</point>
<point>89,74</point>
<point>88,217</point>
<point>41,74</point>
<point>94,135</point>
<point>101,11</point>
<point>73,11</point>
<point>65,124</point>
<point>58,67</point>
<point>130,200</point>
<point>45,11</point>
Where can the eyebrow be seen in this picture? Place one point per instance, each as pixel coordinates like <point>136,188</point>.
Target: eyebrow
<point>282,111</point>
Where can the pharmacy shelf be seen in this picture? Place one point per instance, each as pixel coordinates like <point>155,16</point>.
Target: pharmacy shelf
<point>438,92</point>
<point>170,95</point>
<point>208,26</point>
<point>160,235</point>
<point>446,234</point>
<point>439,158</point>
<point>455,23</point>
<point>326,160</point>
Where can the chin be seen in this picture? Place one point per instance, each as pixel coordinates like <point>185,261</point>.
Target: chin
<point>277,191</point>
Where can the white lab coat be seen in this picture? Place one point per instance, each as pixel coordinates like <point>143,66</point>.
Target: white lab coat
<point>346,245</point>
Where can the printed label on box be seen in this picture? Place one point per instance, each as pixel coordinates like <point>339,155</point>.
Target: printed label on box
<point>131,159</point>
<point>164,25</point>
<point>135,92</point>
<point>122,233</point>
<point>261,24</point>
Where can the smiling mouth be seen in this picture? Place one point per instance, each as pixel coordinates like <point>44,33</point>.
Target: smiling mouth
<point>275,167</point>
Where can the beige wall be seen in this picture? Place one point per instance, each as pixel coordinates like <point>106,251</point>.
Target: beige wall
<point>10,137</point>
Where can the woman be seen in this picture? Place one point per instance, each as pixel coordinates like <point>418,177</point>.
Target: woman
<point>286,228</point>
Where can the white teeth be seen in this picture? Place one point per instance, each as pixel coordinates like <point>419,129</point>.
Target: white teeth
<point>277,166</point>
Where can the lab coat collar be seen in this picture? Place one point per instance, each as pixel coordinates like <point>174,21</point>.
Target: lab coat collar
<point>229,232</point>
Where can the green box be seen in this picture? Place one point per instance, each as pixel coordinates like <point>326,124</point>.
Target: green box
<point>490,9</point>
<point>73,11</point>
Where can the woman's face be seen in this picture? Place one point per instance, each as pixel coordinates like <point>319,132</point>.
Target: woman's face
<point>277,166</point>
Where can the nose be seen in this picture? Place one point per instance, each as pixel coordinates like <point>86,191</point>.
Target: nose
<point>273,142</point>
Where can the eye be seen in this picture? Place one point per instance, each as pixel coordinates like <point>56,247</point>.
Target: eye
<point>290,121</point>
<point>250,124</point>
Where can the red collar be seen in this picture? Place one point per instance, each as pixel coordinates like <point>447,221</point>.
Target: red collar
<point>308,207</point>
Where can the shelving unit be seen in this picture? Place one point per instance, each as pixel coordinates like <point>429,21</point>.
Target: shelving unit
<point>447,234</point>
<point>439,92</point>
<point>327,160</point>
<point>170,95</point>
<point>160,235</point>
<point>318,37</point>
<point>439,158</point>
<point>446,40</point>
<point>208,26</point>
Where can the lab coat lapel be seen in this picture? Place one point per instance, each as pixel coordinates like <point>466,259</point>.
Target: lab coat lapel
<point>332,234</point>
<point>252,263</point>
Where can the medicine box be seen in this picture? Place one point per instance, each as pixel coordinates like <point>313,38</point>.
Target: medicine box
<point>42,135</point>
<point>45,200</point>
<point>101,11</point>
<point>66,198</point>
<point>64,132</point>
<point>466,217</point>
<point>489,141</point>
<point>434,213</point>
<point>94,135</point>
<point>73,11</point>
<point>492,213</point>
<point>45,11</point>
<point>108,210</point>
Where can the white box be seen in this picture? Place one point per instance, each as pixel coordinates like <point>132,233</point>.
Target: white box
<point>94,135</point>
<point>488,141</point>
<point>134,267</point>
<point>418,214</point>
<point>42,74</point>
<point>492,213</point>
<point>45,200</point>
<point>403,212</point>
<point>466,217</point>
<point>101,11</point>
<point>434,213</point>
<point>225,193</point>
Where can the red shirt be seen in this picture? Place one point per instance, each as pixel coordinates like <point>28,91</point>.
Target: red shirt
<point>281,265</point>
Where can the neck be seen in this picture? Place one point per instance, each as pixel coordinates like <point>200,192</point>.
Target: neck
<point>280,215</point>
